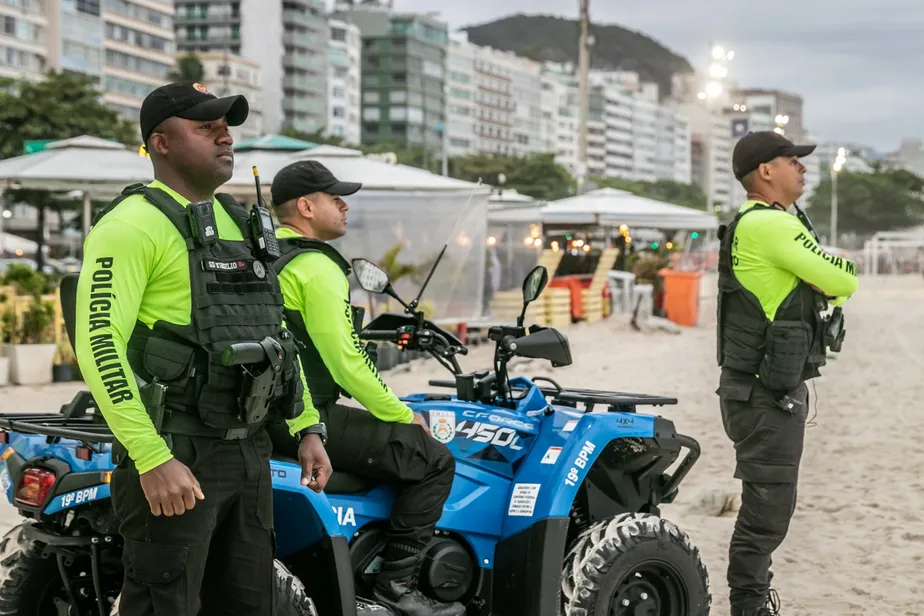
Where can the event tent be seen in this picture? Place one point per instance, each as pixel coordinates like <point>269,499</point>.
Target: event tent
<point>613,207</point>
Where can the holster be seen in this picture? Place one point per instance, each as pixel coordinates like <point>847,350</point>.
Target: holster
<point>153,397</point>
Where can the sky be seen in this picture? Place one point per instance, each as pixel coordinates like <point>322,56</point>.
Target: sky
<point>858,65</point>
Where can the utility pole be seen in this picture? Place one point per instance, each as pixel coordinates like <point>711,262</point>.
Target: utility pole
<point>584,68</point>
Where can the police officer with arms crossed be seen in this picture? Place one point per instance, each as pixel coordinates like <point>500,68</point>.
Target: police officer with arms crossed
<point>388,442</point>
<point>171,277</point>
<point>775,283</point>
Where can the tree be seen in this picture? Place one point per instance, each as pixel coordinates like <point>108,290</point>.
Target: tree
<point>869,202</point>
<point>60,106</point>
<point>536,175</point>
<point>687,195</point>
<point>189,68</point>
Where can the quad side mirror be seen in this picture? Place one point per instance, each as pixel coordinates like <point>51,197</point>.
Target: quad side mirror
<point>533,285</point>
<point>370,276</point>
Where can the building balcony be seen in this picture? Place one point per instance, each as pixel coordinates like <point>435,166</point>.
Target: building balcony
<point>302,104</point>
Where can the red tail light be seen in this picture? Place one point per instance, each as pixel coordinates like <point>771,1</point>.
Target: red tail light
<point>34,486</point>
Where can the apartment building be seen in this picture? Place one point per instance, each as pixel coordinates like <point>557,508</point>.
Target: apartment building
<point>783,107</point>
<point>548,125</point>
<point>344,79</point>
<point>225,74</point>
<point>138,42</point>
<point>288,41</point>
<point>128,44</point>
<point>404,60</point>
<point>24,39</point>
<point>460,96</point>
<point>643,140</point>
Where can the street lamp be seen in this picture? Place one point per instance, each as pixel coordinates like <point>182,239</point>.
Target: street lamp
<point>781,121</point>
<point>839,163</point>
<point>718,72</point>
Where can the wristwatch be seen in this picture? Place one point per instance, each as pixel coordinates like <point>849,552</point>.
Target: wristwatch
<point>319,428</point>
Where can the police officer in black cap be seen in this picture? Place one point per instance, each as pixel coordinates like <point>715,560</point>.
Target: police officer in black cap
<point>775,283</point>
<point>384,440</point>
<point>172,277</point>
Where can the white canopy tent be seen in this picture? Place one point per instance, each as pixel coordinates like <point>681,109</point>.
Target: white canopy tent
<point>98,167</point>
<point>610,207</point>
<point>397,205</point>
<point>514,239</point>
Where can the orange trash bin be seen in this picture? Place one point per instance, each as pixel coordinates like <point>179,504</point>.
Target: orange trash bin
<point>681,296</point>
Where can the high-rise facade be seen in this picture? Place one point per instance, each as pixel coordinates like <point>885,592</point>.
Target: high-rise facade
<point>139,45</point>
<point>344,80</point>
<point>403,75</point>
<point>24,39</point>
<point>288,41</point>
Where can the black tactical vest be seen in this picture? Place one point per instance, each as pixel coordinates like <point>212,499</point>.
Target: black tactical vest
<point>235,298</point>
<point>782,353</point>
<point>324,389</point>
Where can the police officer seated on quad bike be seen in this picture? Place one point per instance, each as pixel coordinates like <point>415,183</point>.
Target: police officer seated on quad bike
<point>388,442</point>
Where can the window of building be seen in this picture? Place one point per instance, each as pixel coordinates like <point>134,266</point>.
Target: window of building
<point>337,34</point>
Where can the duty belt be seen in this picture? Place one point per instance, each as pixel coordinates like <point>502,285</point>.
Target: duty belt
<point>187,424</point>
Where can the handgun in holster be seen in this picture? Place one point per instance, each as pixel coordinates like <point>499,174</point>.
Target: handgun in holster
<point>153,397</point>
<point>834,330</point>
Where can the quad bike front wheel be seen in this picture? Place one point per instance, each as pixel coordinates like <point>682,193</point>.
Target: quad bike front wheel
<point>634,565</point>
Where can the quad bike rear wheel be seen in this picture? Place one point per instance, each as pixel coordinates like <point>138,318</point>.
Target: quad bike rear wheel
<point>291,599</point>
<point>31,585</point>
<point>634,565</point>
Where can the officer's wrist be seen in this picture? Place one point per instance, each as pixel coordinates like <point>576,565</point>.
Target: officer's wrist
<point>318,429</point>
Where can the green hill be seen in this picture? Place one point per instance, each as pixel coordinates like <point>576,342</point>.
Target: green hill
<point>546,38</point>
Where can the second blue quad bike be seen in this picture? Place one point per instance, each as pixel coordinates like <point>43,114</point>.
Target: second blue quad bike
<point>554,508</point>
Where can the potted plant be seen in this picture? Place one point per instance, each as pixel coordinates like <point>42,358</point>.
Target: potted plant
<point>65,368</point>
<point>6,337</point>
<point>33,350</point>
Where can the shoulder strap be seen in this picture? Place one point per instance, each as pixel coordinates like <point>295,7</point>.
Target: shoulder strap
<point>128,191</point>
<point>291,247</point>
<point>726,237</point>
<point>174,212</point>
<point>237,211</point>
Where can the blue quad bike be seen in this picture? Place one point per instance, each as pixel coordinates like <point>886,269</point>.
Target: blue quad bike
<point>554,508</point>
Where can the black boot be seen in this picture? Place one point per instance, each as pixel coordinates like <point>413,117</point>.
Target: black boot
<point>396,589</point>
<point>771,608</point>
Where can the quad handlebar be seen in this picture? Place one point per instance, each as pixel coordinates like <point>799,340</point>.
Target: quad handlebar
<point>420,339</point>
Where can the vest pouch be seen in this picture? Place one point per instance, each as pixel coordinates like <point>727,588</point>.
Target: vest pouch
<point>788,344</point>
<point>171,362</point>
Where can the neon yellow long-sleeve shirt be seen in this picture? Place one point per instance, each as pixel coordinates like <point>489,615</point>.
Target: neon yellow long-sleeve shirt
<point>772,251</point>
<point>315,287</point>
<point>136,268</point>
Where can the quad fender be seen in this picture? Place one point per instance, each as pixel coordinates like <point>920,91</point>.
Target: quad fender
<point>302,516</point>
<point>536,530</point>
<point>547,490</point>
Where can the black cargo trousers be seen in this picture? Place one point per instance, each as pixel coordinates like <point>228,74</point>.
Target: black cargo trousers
<point>360,444</point>
<point>768,445</point>
<point>224,547</point>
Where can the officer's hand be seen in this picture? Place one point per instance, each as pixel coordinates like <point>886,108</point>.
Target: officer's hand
<point>315,463</point>
<point>420,421</point>
<point>171,488</point>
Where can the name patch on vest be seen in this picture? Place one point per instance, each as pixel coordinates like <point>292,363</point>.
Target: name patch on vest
<point>234,265</point>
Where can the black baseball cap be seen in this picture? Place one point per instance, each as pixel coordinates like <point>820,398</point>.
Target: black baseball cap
<point>754,149</point>
<point>305,177</point>
<point>192,101</point>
